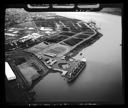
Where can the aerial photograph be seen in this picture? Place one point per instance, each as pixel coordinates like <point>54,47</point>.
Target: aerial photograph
<point>53,57</point>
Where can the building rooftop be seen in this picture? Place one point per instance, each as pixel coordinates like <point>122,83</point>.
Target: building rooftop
<point>9,72</point>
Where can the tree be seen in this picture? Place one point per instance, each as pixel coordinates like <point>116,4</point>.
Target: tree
<point>15,16</point>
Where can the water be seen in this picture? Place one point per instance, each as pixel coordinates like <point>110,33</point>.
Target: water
<point>101,81</point>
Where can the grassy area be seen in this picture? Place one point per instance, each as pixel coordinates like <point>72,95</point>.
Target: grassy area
<point>67,33</point>
<point>84,44</point>
<point>82,36</point>
<point>73,41</point>
<point>56,39</point>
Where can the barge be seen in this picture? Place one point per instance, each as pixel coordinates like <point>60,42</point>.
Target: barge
<point>76,71</point>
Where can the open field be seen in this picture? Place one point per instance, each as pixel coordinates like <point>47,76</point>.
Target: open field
<point>48,30</point>
<point>72,41</point>
<point>83,36</point>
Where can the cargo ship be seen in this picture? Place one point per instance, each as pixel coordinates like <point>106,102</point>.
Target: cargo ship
<point>69,69</point>
<point>73,74</point>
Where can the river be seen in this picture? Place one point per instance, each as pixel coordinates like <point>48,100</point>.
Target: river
<point>101,81</point>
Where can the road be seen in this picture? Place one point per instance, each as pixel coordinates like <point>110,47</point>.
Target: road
<point>69,48</point>
<point>81,33</point>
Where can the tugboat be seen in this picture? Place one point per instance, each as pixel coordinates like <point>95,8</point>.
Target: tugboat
<point>76,71</point>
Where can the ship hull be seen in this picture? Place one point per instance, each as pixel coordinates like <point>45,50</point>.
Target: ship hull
<point>78,71</point>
